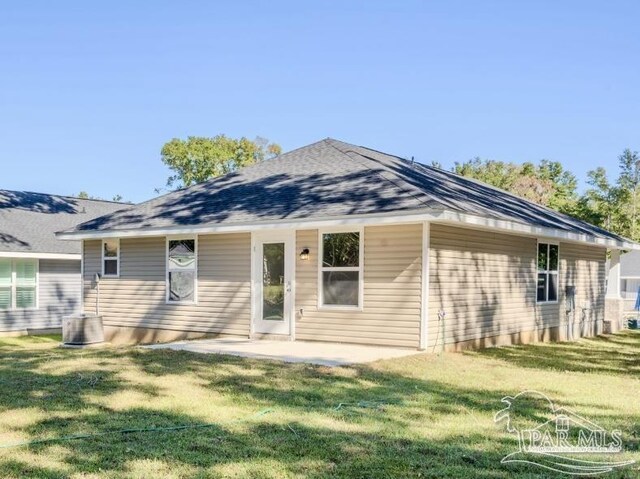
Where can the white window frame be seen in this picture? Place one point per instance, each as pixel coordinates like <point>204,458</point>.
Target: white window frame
<point>548,272</point>
<point>111,258</point>
<point>167,298</point>
<point>360,269</point>
<point>14,286</point>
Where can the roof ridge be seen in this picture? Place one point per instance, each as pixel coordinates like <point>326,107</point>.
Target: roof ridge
<point>330,140</point>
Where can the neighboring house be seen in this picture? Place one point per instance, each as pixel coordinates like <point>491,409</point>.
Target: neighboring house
<point>40,279</point>
<point>630,278</point>
<point>336,242</point>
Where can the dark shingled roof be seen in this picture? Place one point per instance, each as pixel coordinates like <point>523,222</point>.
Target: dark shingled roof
<point>28,221</point>
<point>329,179</point>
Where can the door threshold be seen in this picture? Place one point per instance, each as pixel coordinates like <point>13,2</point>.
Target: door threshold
<point>271,336</point>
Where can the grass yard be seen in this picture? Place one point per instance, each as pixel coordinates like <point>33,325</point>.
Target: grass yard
<point>420,416</point>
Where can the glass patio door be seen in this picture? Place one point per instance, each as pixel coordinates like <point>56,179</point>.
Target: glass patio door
<point>273,285</point>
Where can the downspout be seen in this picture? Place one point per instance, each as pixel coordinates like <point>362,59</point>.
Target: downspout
<point>97,279</point>
<point>424,303</point>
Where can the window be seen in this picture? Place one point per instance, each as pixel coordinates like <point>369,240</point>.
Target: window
<point>182,262</point>
<point>340,269</point>
<point>111,257</point>
<point>18,283</point>
<point>548,261</point>
<point>6,284</point>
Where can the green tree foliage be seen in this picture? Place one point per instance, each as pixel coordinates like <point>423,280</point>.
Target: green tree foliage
<point>546,183</point>
<point>599,204</point>
<point>197,158</point>
<point>83,195</point>
<point>614,206</point>
<point>629,191</point>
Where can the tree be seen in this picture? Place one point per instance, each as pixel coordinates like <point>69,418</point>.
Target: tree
<point>547,183</point>
<point>197,159</point>
<point>599,204</point>
<point>629,192</point>
<point>614,206</point>
<point>564,185</point>
<point>497,173</point>
<point>83,195</point>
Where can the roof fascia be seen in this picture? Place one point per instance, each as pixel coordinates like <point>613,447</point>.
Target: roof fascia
<point>437,216</point>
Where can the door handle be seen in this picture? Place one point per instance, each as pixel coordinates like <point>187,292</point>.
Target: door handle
<point>288,286</point>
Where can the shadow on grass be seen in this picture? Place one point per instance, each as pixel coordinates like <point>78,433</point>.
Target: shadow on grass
<point>613,354</point>
<point>380,431</point>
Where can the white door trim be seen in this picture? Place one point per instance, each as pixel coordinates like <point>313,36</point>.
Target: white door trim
<point>257,239</point>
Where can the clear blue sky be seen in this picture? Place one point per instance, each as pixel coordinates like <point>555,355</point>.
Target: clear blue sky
<point>90,91</point>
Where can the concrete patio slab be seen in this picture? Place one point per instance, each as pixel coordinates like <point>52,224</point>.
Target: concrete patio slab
<point>324,354</point>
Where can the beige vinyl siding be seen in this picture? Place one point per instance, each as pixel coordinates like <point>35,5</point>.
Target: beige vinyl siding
<point>392,291</point>
<point>585,268</point>
<point>138,297</point>
<point>485,283</point>
<point>91,257</point>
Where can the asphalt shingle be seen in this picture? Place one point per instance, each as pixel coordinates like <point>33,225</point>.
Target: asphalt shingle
<point>28,221</point>
<point>329,179</point>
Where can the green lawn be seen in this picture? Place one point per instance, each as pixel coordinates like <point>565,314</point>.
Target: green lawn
<point>420,416</point>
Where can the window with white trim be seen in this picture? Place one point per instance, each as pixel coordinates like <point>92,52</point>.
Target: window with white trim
<point>182,270</point>
<point>111,257</point>
<point>340,269</point>
<point>548,265</point>
<point>18,283</point>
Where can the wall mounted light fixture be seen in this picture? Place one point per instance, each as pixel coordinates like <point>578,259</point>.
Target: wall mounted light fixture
<point>304,254</point>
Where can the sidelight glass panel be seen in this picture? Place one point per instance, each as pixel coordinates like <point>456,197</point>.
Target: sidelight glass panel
<point>273,282</point>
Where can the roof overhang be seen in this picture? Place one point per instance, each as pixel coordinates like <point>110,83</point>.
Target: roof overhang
<point>436,216</point>
<point>34,255</point>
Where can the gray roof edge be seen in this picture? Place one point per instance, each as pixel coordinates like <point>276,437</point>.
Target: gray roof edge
<point>434,215</point>
<point>71,197</point>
